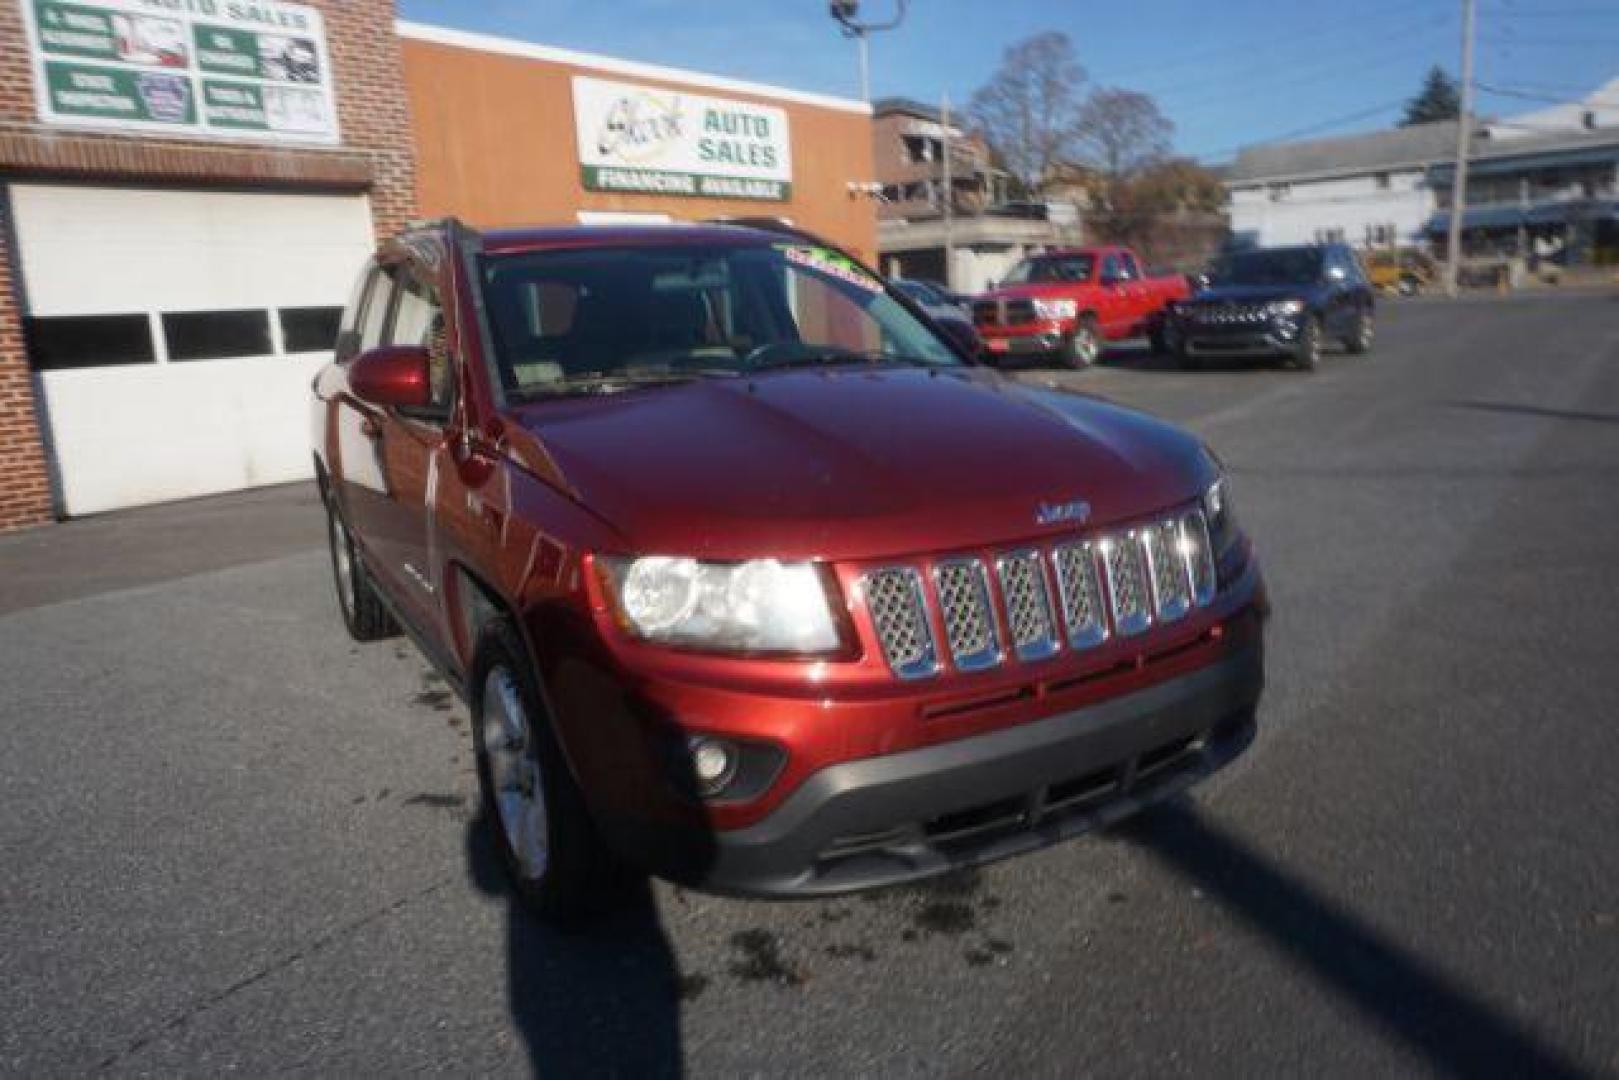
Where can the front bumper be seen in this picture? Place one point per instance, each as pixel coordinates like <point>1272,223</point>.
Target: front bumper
<point>903,816</point>
<point>1026,339</point>
<point>1275,336</point>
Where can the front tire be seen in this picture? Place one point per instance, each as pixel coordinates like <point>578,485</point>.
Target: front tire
<point>1360,338</point>
<point>364,613</point>
<point>531,803</point>
<point>1084,346</point>
<point>1307,352</point>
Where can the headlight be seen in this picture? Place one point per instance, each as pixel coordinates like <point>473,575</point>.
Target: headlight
<point>1056,309</point>
<point>1285,307</point>
<point>757,606</point>
<point>1217,508</point>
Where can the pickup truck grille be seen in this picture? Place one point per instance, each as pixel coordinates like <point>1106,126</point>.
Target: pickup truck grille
<point>1071,595</point>
<point>1003,312</point>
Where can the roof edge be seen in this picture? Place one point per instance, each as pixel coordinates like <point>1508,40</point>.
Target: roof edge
<point>528,50</point>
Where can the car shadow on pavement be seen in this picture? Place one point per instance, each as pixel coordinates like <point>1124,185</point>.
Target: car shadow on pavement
<point>600,1000</point>
<point>1398,990</point>
<point>1535,410</point>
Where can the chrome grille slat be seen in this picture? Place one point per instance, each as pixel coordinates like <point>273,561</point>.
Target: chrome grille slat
<point>1081,589</point>
<point>1030,624</point>
<point>1129,594</point>
<point>898,611</point>
<point>1167,569</point>
<point>1198,551</point>
<point>969,620</point>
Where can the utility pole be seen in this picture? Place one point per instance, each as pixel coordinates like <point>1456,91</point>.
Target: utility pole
<point>1464,136</point>
<point>949,196</point>
<point>846,14</point>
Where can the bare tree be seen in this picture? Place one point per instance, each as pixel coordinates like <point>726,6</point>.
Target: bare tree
<point>1122,132</point>
<point>1027,111</point>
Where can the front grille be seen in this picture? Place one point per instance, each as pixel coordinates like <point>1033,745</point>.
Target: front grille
<point>1003,312</point>
<point>894,598</point>
<point>1115,583</point>
<point>969,622</point>
<point>1221,314</point>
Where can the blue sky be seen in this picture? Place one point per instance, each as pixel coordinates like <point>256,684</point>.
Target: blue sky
<point>1227,72</point>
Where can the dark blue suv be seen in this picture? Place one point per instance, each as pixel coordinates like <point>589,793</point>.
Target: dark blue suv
<point>1284,302</point>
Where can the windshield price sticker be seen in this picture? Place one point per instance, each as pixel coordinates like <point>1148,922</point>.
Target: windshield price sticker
<point>831,264</point>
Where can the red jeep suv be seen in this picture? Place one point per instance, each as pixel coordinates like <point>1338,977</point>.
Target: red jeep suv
<point>751,579</point>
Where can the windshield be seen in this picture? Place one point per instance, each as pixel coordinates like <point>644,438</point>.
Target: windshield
<point>918,292</point>
<point>1280,266</point>
<point>610,315</point>
<point>1045,268</point>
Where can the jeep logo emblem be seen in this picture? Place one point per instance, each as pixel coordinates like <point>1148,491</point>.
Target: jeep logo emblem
<point>1066,513</point>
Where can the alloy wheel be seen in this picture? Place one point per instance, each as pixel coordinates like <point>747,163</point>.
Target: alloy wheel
<point>515,781</point>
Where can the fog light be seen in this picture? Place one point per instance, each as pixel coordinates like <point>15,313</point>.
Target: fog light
<point>713,763</point>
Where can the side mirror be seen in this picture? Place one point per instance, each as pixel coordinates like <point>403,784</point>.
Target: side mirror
<point>392,377</point>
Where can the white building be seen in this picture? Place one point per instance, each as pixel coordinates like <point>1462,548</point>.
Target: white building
<point>1392,187</point>
<point>1366,190</point>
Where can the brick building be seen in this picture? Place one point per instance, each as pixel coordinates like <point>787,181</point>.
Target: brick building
<point>187,188</point>
<point>140,327</point>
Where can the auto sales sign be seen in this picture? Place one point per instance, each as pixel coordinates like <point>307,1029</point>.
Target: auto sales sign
<point>667,142</point>
<point>243,69</point>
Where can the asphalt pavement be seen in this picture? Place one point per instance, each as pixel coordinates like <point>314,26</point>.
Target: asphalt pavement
<point>234,840</point>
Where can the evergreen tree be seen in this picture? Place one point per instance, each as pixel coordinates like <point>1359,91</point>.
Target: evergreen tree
<point>1439,99</point>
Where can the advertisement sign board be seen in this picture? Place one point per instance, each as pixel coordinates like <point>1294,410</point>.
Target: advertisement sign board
<point>222,68</point>
<point>668,142</point>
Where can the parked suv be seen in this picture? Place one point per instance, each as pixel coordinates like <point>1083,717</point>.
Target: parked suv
<point>752,580</point>
<point>1285,301</point>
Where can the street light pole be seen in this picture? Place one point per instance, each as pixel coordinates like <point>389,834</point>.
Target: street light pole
<point>846,13</point>
<point>1464,136</point>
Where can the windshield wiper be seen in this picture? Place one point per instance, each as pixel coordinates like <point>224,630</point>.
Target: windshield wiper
<point>606,382</point>
<point>826,357</point>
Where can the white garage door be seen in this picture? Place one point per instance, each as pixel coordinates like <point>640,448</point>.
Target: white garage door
<point>176,332</point>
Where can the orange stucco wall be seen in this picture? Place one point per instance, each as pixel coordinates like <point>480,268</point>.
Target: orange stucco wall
<point>495,146</point>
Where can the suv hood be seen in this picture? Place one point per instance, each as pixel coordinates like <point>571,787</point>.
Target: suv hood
<point>1217,293</point>
<point>846,463</point>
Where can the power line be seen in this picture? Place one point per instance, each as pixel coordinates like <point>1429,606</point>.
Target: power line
<point>1525,95</point>
<point>1312,129</point>
<point>1197,58</point>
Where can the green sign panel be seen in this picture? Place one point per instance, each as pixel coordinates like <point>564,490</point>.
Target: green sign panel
<point>115,94</point>
<point>660,182</point>
<point>238,68</point>
<point>227,52</point>
<point>73,30</point>
<point>234,105</point>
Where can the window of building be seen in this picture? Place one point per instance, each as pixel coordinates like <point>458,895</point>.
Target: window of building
<point>61,342</point>
<point>217,335</point>
<point>1278,192</point>
<point>919,149</point>
<point>1329,236</point>
<point>309,329</point>
<point>1382,181</point>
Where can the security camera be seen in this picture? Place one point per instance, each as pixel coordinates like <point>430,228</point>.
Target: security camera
<point>844,10</point>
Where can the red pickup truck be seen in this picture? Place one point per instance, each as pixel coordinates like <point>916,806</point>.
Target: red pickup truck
<point>1069,301</point>
<point>752,578</point>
